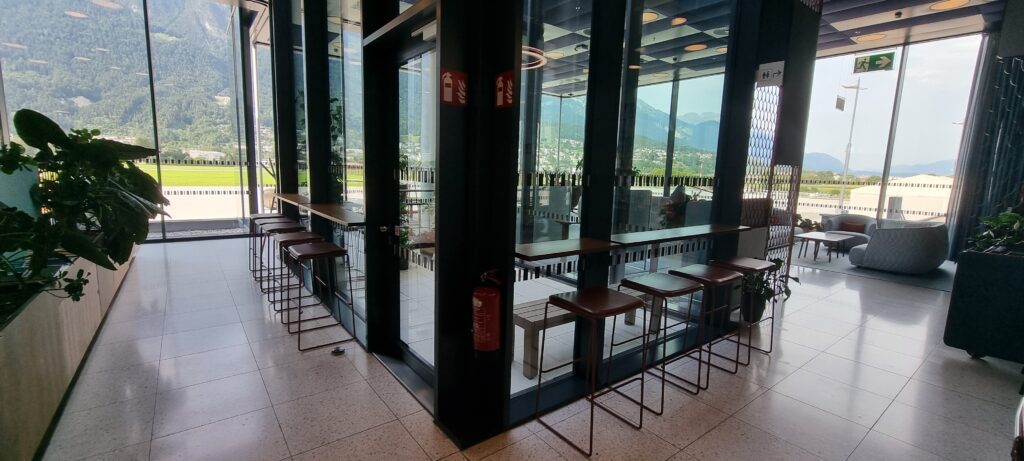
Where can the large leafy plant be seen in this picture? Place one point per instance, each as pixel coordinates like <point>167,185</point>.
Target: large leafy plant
<point>768,284</point>
<point>93,202</point>
<point>1001,233</point>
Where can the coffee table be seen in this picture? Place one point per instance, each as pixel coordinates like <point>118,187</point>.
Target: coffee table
<point>831,240</point>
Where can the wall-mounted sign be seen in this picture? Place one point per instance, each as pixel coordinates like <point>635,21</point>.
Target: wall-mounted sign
<point>504,90</point>
<point>840,103</point>
<point>453,88</point>
<point>770,73</point>
<point>873,62</point>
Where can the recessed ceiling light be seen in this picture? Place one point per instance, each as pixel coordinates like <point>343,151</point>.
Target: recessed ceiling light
<point>115,68</point>
<point>947,5</point>
<point>83,58</point>
<point>101,50</point>
<point>678,21</point>
<point>37,61</point>
<point>76,14</point>
<point>107,4</point>
<point>634,66</point>
<point>868,38</point>
<point>722,49</point>
<point>142,74</point>
<point>554,54</point>
<point>696,47</point>
<point>650,16</point>
<point>586,70</point>
<point>581,47</point>
<point>15,45</point>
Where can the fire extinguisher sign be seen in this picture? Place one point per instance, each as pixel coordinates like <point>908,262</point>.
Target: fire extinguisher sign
<point>453,87</point>
<point>486,319</point>
<point>504,90</point>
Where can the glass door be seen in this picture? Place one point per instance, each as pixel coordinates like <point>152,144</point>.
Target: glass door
<point>417,161</point>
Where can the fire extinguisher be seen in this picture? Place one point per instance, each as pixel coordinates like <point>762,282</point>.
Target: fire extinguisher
<point>487,314</point>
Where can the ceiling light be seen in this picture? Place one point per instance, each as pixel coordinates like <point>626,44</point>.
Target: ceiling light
<point>115,68</point>
<point>533,58</point>
<point>634,66</point>
<point>15,45</point>
<point>83,58</point>
<point>722,49</point>
<point>586,70</point>
<point>101,50</point>
<point>142,74</point>
<point>581,47</point>
<point>696,47</point>
<point>37,61</point>
<point>947,5</point>
<point>650,16</point>
<point>554,54</point>
<point>868,38</point>
<point>76,14</point>
<point>107,4</point>
<point>678,21</point>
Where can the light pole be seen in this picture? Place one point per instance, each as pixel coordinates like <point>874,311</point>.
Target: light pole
<point>849,142</point>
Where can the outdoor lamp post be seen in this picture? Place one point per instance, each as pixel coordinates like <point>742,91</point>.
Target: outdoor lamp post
<point>849,143</point>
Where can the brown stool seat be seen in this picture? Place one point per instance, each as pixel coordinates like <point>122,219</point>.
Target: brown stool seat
<point>707,275</point>
<point>744,265</point>
<point>306,251</point>
<point>596,303</point>
<point>282,228</point>
<point>271,219</point>
<point>662,285</point>
<point>295,238</point>
<point>265,215</point>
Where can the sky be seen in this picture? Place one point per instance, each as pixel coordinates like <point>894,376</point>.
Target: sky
<point>698,95</point>
<point>935,96</point>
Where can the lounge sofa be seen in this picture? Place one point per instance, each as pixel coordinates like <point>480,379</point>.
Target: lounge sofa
<point>845,223</point>
<point>913,248</point>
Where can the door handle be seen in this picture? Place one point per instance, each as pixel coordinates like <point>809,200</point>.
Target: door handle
<point>384,229</point>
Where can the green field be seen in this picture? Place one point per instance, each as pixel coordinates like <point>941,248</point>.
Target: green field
<point>201,175</point>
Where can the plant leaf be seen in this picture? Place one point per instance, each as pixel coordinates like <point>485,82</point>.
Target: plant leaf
<point>38,131</point>
<point>124,151</point>
<point>82,245</point>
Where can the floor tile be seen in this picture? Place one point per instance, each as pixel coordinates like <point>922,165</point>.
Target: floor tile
<point>101,430</point>
<point>319,419</point>
<point>104,357</point>
<point>192,301</point>
<point>193,406</point>
<point>859,406</point>
<point>430,437</point>
<point>977,378</point>
<point>736,440</point>
<point>264,328</point>
<point>111,386</point>
<point>388,441</point>
<point>497,443</point>
<point>817,431</point>
<point>198,320</point>
<point>253,436</point>
<point>891,341</point>
<point>858,375</point>
<point>205,366</point>
<point>962,408</point>
<point>877,357</point>
<point>206,339</point>
<point>819,323</point>
<point>131,330</point>
<point>530,448</point>
<point>877,446</point>
<point>308,377</point>
<point>947,438</point>
<point>613,439</point>
<point>397,398</point>
<point>685,419</point>
<point>138,452</point>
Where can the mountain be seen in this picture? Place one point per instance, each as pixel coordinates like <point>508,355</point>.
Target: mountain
<point>817,161</point>
<point>941,168</point>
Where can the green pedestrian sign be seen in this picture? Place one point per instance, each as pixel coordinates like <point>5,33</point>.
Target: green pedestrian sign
<point>871,63</point>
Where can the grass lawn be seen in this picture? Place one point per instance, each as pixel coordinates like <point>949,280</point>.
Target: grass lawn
<point>200,175</point>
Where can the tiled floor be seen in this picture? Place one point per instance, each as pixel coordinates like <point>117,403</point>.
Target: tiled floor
<point>186,369</point>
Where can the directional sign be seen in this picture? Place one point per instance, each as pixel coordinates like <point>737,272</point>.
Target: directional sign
<point>873,62</point>
<point>770,73</point>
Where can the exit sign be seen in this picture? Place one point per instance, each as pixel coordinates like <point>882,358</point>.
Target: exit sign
<point>871,63</point>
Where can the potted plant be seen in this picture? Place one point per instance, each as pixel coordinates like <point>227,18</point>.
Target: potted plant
<point>807,224</point>
<point>1003,233</point>
<point>93,203</point>
<point>761,287</point>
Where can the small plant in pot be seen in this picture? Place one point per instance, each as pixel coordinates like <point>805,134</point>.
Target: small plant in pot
<point>762,287</point>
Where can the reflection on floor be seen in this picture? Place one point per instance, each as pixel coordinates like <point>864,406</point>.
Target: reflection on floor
<point>190,365</point>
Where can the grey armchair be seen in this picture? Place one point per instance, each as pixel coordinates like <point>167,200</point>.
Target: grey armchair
<point>914,249</point>
<point>833,223</point>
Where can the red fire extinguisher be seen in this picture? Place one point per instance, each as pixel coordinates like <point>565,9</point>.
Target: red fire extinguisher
<point>487,315</point>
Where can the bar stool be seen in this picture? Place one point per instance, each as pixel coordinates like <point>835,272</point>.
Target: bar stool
<point>661,287</point>
<point>267,232</point>
<point>751,267</point>
<point>312,253</point>
<point>593,304</point>
<point>712,278</point>
<point>254,234</point>
<point>284,241</point>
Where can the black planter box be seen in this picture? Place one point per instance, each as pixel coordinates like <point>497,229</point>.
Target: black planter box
<point>986,310</point>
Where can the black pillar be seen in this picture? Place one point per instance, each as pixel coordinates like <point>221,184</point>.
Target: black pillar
<point>283,68</point>
<point>477,150</point>
<point>249,109</point>
<point>318,110</point>
<point>531,125</point>
<point>627,115</point>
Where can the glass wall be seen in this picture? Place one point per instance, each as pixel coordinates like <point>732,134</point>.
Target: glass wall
<point>848,133</point>
<point>267,155</point>
<point>301,152</point>
<point>85,64</point>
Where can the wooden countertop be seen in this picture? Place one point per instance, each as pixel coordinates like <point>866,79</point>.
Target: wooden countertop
<point>337,213</point>
<point>561,248</point>
<point>294,199</point>
<point>675,234</point>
